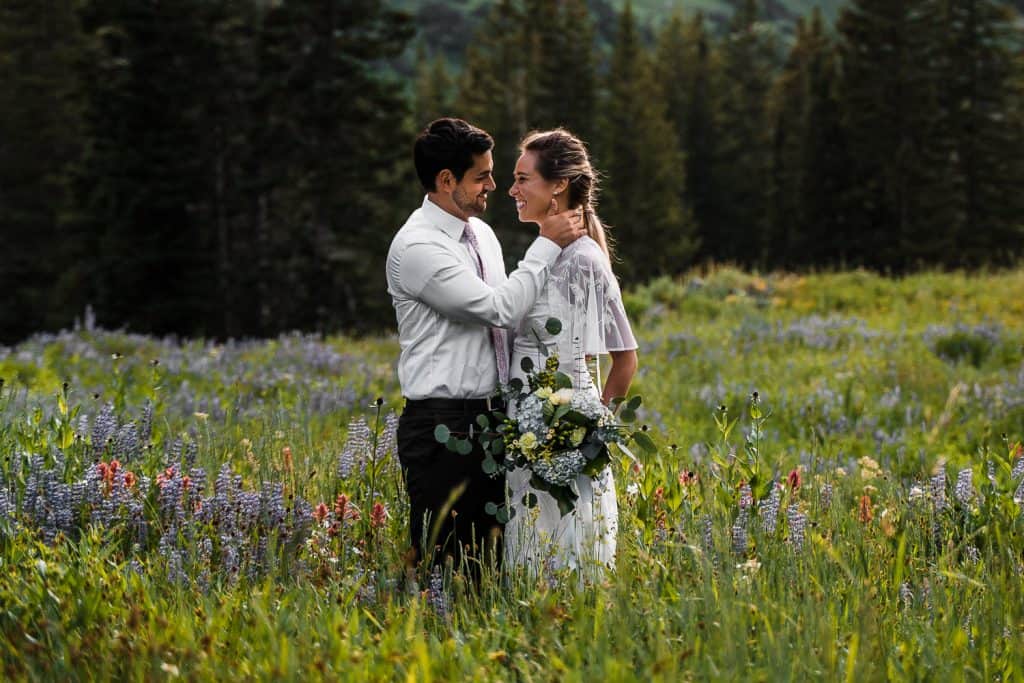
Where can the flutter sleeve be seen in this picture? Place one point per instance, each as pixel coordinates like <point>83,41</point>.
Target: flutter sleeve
<point>599,321</point>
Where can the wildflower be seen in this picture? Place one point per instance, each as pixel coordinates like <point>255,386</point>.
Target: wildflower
<point>1018,495</point>
<point>906,594</point>
<point>378,515</point>
<point>437,598</point>
<point>769,510</point>
<point>972,555</point>
<point>707,538</point>
<point>287,453</point>
<point>794,479</point>
<point>130,479</point>
<point>938,485</point>
<point>746,496</point>
<point>826,495</point>
<point>917,493</point>
<point>687,478</point>
<point>964,490</point>
<point>739,539</point>
<point>202,417</point>
<point>886,523</point>
<point>320,512</point>
<point>864,509</point>
<point>869,468</point>
<point>750,566</point>
<point>797,524</point>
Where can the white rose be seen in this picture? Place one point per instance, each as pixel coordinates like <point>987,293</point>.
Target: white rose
<point>561,397</point>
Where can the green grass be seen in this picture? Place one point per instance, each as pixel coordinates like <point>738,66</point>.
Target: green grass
<point>869,387</point>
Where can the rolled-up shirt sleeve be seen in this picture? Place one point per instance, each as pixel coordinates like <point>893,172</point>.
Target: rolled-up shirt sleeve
<point>437,277</point>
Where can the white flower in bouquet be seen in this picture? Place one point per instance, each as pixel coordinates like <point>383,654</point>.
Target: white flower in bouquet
<point>561,397</point>
<point>528,442</point>
<point>561,469</point>
<point>588,404</point>
<point>543,393</point>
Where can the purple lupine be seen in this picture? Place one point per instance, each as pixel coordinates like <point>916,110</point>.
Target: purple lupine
<point>272,502</point>
<point>103,428</point>
<point>769,510</point>
<point>797,524</point>
<point>739,539</point>
<point>938,485</point>
<point>826,495</point>
<point>126,442</point>
<point>437,598</point>
<point>1018,467</point>
<point>145,432</point>
<point>964,490</point>
<point>707,534</point>
<point>906,595</point>
<point>356,448</point>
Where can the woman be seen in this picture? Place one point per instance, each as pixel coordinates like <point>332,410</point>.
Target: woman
<point>583,294</point>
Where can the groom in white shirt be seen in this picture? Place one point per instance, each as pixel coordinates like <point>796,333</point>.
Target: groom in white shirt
<point>454,303</point>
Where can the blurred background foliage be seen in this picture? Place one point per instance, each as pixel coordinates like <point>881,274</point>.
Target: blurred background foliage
<point>229,168</point>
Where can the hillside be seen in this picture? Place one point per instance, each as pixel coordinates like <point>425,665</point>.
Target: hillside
<point>448,26</point>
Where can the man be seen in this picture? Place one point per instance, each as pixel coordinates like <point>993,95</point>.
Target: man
<point>453,302</point>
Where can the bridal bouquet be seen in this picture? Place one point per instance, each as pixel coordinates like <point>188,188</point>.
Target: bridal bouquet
<point>557,433</point>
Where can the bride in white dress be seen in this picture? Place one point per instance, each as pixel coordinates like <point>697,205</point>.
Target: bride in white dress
<point>554,173</point>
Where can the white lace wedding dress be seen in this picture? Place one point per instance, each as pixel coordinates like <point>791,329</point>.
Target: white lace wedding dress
<point>583,294</point>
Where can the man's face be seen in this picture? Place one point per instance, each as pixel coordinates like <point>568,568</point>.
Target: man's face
<point>470,193</point>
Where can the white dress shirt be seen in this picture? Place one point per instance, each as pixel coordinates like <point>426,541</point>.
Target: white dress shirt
<point>444,309</point>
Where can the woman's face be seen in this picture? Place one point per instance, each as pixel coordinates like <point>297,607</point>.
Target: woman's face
<point>530,190</point>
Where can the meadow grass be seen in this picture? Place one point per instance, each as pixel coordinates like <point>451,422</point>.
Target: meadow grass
<point>860,519</point>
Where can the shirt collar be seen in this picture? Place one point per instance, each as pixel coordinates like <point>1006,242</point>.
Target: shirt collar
<point>449,224</point>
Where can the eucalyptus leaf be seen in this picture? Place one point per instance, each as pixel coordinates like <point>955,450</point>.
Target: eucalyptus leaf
<point>442,433</point>
<point>553,326</point>
<point>530,500</point>
<point>490,508</point>
<point>463,446</point>
<point>483,421</point>
<point>526,364</point>
<point>645,442</point>
<point>634,402</point>
<point>490,466</point>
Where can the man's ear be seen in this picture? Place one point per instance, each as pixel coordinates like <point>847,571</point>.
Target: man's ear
<point>445,180</point>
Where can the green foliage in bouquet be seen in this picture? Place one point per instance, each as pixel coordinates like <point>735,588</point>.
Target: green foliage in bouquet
<point>557,433</point>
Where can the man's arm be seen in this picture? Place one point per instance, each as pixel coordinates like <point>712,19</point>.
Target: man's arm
<point>448,285</point>
<point>445,283</point>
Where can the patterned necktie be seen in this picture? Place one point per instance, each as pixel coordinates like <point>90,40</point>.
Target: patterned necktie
<point>498,335</point>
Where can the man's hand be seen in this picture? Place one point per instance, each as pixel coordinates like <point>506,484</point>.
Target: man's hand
<point>562,228</point>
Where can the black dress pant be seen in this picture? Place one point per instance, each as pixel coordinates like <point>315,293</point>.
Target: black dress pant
<point>447,491</point>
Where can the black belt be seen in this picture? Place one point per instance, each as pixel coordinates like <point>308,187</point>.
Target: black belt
<point>466,405</point>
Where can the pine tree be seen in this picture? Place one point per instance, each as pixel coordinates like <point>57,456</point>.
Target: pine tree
<point>748,58</point>
<point>145,263</point>
<point>41,112</point>
<point>889,51</point>
<point>807,215</point>
<point>639,154</point>
<point>980,146</point>
<point>683,68</point>
<point>435,88</point>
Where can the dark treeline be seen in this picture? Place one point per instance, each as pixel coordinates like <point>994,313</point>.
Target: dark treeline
<point>237,167</point>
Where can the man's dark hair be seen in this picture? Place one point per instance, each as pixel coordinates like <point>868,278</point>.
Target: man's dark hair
<point>448,143</point>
